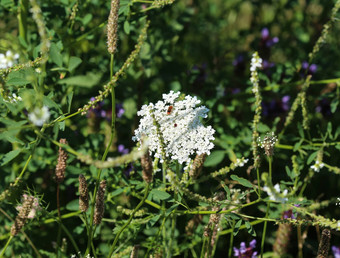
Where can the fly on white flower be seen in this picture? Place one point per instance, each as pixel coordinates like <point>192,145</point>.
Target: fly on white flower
<point>39,116</point>
<point>180,124</point>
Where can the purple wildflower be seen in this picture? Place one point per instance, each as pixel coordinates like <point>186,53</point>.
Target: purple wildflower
<point>324,107</point>
<point>239,60</point>
<point>121,149</point>
<point>336,251</point>
<point>119,110</point>
<point>289,215</point>
<point>276,107</point>
<point>128,169</point>
<point>246,252</point>
<point>267,65</point>
<point>268,41</point>
<point>310,69</point>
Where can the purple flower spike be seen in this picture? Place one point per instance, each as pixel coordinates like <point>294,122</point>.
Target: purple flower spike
<point>336,251</point>
<point>246,252</point>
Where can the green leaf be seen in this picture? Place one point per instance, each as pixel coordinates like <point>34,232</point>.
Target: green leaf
<point>214,158</point>
<point>153,220</point>
<point>250,228</point>
<point>9,156</point>
<point>69,101</point>
<point>127,27</point>
<point>297,145</point>
<point>17,81</point>
<point>89,80</point>
<point>312,157</point>
<point>73,205</point>
<point>262,128</point>
<point>55,55</point>
<point>117,192</point>
<point>334,105</point>
<point>160,194</point>
<point>232,216</point>
<point>87,18</point>
<point>242,181</point>
<point>168,211</point>
<point>74,63</point>
<point>329,129</point>
<point>237,227</point>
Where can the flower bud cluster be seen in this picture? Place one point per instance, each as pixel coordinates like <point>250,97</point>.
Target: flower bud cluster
<point>61,165</point>
<point>24,212</point>
<point>99,210</point>
<point>268,143</point>
<point>112,27</point>
<point>83,194</point>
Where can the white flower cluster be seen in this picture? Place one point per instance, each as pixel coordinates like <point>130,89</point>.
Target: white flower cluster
<point>8,60</point>
<point>276,195</point>
<point>13,99</point>
<point>256,62</point>
<point>180,125</point>
<point>317,166</point>
<point>39,116</point>
<point>240,162</point>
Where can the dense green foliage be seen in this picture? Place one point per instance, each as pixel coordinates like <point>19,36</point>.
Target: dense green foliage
<point>200,48</point>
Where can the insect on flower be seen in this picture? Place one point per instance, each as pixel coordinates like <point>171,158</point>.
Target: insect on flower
<point>175,125</point>
<point>169,110</point>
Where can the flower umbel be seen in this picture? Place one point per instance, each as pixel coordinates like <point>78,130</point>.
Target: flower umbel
<point>180,124</point>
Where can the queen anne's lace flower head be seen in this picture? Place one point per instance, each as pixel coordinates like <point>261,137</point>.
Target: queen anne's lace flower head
<point>180,124</point>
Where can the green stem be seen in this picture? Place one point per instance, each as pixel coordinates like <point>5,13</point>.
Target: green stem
<point>22,19</point>
<point>129,220</point>
<point>203,246</point>
<point>69,236</point>
<point>174,217</point>
<point>59,218</point>
<point>65,216</point>
<point>113,120</point>
<point>5,247</point>
<point>231,230</point>
<point>258,181</point>
<point>231,240</point>
<point>270,169</point>
<point>264,230</point>
<point>219,212</point>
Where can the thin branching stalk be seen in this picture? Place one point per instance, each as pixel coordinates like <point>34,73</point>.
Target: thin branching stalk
<point>129,220</point>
